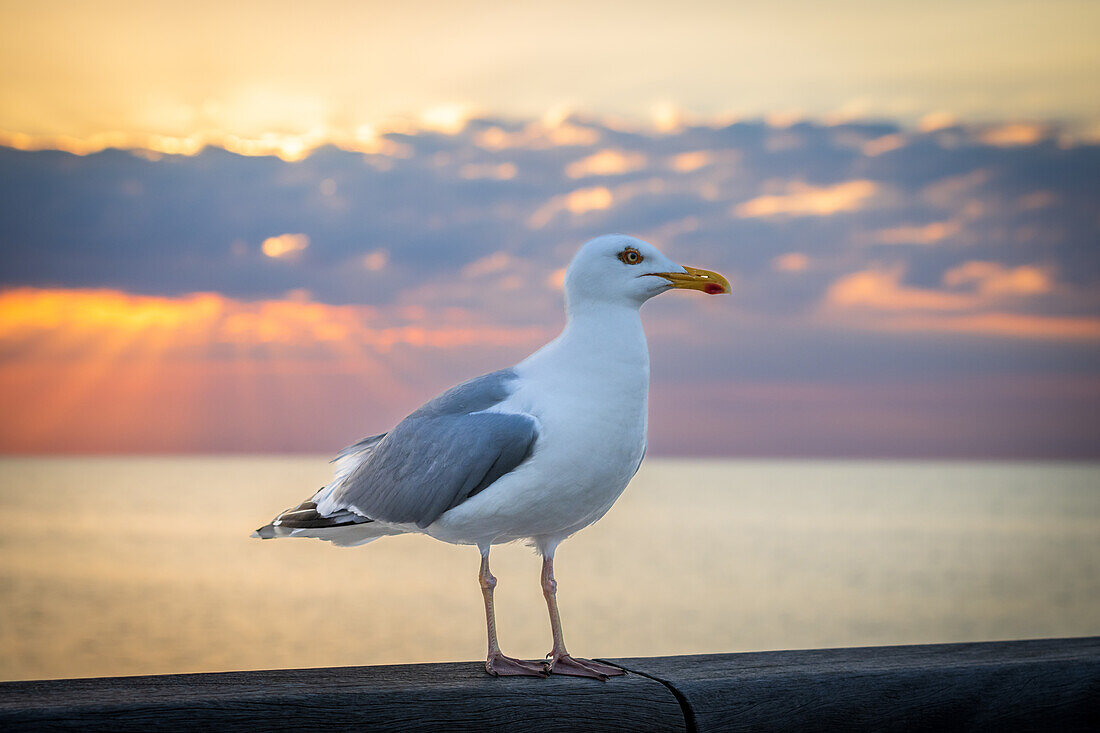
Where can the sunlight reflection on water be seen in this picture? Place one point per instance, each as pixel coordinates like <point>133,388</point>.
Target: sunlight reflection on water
<point>116,566</point>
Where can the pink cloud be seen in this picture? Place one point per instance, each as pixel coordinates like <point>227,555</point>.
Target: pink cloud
<point>791,262</point>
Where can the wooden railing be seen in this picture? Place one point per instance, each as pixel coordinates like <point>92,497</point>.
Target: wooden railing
<point>1042,685</point>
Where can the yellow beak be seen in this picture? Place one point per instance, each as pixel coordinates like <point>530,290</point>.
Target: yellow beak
<point>709,282</point>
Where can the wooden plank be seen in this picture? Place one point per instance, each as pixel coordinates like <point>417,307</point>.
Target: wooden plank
<point>1044,685</point>
<point>444,697</point>
<point>1003,686</point>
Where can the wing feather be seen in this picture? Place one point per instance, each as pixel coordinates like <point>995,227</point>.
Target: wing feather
<point>447,451</point>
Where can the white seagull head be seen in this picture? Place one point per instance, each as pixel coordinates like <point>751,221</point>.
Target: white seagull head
<point>620,270</point>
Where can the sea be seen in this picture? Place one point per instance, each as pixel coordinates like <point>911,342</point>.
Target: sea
<point>126,566</point>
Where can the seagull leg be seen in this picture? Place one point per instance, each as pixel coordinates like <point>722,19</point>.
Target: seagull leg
<point>496,663</point>
<point>559,660</point>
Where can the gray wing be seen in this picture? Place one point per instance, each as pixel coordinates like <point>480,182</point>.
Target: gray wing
<point>439,456</point>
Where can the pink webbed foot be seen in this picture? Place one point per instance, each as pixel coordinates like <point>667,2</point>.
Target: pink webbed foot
<point>499,665</point>
<point>567,665</point>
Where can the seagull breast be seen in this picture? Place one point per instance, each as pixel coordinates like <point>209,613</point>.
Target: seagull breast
<point>587,391</point>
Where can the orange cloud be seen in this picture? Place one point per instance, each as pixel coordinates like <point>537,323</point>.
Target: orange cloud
<point>926,234</point>
<point>877,300</point>
<point>1013,135</point>
<point>106,370</point>
<point>606,163</point>
<point>691,161</point>
<point>575,202</point>
<point>538,136</point>
<point>1008,325</point>
<point>883,144</point>
<point>936,121</point>
<point>501,172</point>
<point>285,246</point>
<point>556,279</point>
<point>70,317</point>
<point>882,290</point>
<point>992,278</point>
<point>288,146</point>
<point>588,199</point>
<point>802,199</point>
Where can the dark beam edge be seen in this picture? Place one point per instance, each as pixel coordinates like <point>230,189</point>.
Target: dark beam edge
<point>446,697</point>
<point>1020,685</point>
<point>1044,684</point>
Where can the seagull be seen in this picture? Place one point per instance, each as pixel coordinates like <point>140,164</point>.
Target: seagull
<point>534,452</point>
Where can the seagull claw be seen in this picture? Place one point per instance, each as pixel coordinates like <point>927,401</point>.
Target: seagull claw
<point>566,665</point>
<point>499,665</point>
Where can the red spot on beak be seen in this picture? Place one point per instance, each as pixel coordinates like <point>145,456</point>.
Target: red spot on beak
<point>713,289</point>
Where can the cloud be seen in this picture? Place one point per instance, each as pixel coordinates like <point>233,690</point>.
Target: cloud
<point>801,199</point>
<point>933,121</point>
<point>884,144</point>
<point>1085,329</point>
<point>556,279</point>
<point>877,299</point>
<point>92,370</point>
<point>791,262</point>
<point>1014,135</point>
<point>208,320</point>
<point>500,171</point>
<point>994,279</point>
<point>930,233</point>
<point>537,136</point>
<point>606,163</point>
<point>493,264</point>
<point>285,246</point>
<point>691,161</point>
<point>954,191</point>
<point>882,290</point>
<point>987,282</point>
<point>448,118</point>
<point>435,255</point>
<point>577,202</point>
<point>376,260</point>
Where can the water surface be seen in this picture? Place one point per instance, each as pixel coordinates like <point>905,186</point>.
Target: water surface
<point>113,566</point>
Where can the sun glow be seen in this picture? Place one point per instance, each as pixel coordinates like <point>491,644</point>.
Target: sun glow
<point>96,369</point>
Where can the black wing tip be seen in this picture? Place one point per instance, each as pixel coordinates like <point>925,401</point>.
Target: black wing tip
<point>306,516</point>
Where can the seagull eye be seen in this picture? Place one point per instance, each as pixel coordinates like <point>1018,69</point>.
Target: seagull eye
<point>630,256</point>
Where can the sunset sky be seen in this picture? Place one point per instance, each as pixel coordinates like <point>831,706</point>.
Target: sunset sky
<point>282,226</point>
